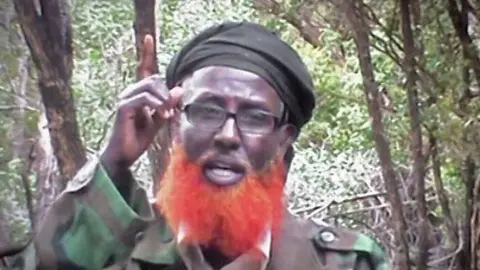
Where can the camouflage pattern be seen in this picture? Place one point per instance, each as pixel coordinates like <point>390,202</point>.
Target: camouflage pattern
<point>91,226</point>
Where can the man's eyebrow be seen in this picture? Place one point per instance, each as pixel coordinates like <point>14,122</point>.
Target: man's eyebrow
<point>245,103</point>
<point>252,104</point>
<point>195,93</point>
<point>209,96</point>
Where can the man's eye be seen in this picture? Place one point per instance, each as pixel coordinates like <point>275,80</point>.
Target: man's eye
<point>208,112</point>
<point>256,118</point>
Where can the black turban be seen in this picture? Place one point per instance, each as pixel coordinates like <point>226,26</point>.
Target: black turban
<point>250,47</point>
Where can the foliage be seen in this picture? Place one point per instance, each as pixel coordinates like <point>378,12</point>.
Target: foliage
<point>104,63</point>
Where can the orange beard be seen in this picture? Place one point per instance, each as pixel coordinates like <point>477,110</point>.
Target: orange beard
<point>231,219</point>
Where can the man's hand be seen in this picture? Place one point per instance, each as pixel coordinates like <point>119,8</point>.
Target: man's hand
<point>143,109</point>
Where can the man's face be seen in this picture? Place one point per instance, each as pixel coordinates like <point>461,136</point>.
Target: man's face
<point>228,148</point>
<point>224,184</point>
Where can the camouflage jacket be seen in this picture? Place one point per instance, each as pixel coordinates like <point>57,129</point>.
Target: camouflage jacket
<point>92,226</point>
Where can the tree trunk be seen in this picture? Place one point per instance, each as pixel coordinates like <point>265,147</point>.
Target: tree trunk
<point>145,24</point>
<point>15,107</point>
<point>450,222</point>
<point>471,222</point>
<point>48,183</point>
<point>415,134</point>
<point>459,15</point>
<point>5,237</point>
<point>48,35</point>
<point>20,108</point>
<point>362,41</point>
<point>21,143</point>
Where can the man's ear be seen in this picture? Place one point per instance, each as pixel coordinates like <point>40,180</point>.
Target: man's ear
<point>288,133</point>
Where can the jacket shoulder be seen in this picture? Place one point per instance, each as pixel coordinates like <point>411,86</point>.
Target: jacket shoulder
<point>346,246</point>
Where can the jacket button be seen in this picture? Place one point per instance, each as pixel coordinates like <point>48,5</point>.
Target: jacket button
<point>327,236</point>
<point>138,237</point>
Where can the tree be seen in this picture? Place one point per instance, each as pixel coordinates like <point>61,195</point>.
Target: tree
<point>48,33</point>
<point>362,41</point>
<point>27,173</point>
<point>145,24</point>
<point>346,169</point>
<point>415,131</point>
<point>429,75</point>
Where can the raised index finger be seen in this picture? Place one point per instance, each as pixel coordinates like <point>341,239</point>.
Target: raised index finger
<point>147,57</point>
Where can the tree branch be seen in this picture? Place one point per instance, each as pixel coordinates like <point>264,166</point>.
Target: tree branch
<point>340,201</point>
<point>440,190</point>
<point>459,20</point>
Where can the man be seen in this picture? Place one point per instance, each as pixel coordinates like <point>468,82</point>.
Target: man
<point>237,98</point>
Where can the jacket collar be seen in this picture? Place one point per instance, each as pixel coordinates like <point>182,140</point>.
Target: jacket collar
<point>158,246</point>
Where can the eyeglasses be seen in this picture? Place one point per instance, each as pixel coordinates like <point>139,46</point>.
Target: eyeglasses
<point>251,121</point>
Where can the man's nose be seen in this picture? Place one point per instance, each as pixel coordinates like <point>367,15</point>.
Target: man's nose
<point>228,137</point>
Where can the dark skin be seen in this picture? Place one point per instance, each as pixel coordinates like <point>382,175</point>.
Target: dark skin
<point>147,105</point>
<point>232,90</point>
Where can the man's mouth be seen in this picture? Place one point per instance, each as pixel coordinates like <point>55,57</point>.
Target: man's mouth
<point>223,173</point>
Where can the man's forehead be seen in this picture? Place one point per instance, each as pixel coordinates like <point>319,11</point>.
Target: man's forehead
<point>215,74</point>
<point>220,80</point>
